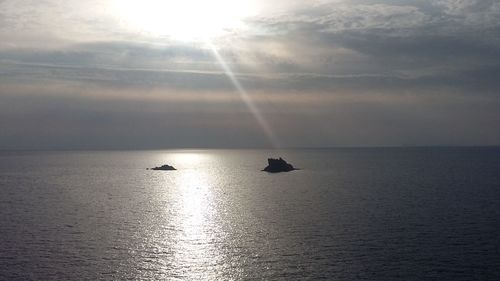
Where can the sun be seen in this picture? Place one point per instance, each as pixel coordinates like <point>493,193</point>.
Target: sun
<point>183,19</point>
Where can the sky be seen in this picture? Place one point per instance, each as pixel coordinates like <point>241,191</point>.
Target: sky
<point>150,74</point>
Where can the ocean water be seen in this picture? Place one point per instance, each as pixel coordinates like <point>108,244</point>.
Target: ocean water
<point>349,214</point>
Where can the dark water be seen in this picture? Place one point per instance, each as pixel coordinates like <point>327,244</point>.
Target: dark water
<point>350,214</point>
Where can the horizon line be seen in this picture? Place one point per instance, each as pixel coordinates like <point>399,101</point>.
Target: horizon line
<point>253,148</point>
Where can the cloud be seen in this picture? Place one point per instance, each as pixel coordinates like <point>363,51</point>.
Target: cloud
<point>399,38</point>
<point>68,115</point>
<point>322,72</point>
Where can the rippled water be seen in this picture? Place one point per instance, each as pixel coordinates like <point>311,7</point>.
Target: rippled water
<point>350,214</point>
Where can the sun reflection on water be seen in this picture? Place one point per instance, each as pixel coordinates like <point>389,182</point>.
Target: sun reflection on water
<point>189,158</point>
<point>195,253</point>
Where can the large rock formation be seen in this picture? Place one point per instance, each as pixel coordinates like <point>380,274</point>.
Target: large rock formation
<point>164,168</point>
<point>278,165</point>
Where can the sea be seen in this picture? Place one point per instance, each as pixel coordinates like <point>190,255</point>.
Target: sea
<point>390,213</point>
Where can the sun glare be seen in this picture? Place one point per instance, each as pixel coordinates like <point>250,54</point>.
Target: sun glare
<point>182,19</point>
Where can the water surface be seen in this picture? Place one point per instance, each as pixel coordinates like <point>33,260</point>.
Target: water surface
<point>349,214</point>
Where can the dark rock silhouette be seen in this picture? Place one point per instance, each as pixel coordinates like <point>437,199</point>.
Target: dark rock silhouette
<point>164,168</point>
<point>278,165</point>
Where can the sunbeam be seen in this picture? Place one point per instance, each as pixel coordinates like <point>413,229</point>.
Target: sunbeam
<point>246,98</point>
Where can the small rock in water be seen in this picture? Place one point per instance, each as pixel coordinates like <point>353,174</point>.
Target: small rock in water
<point>278,165</point>
<point>164,168</point>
